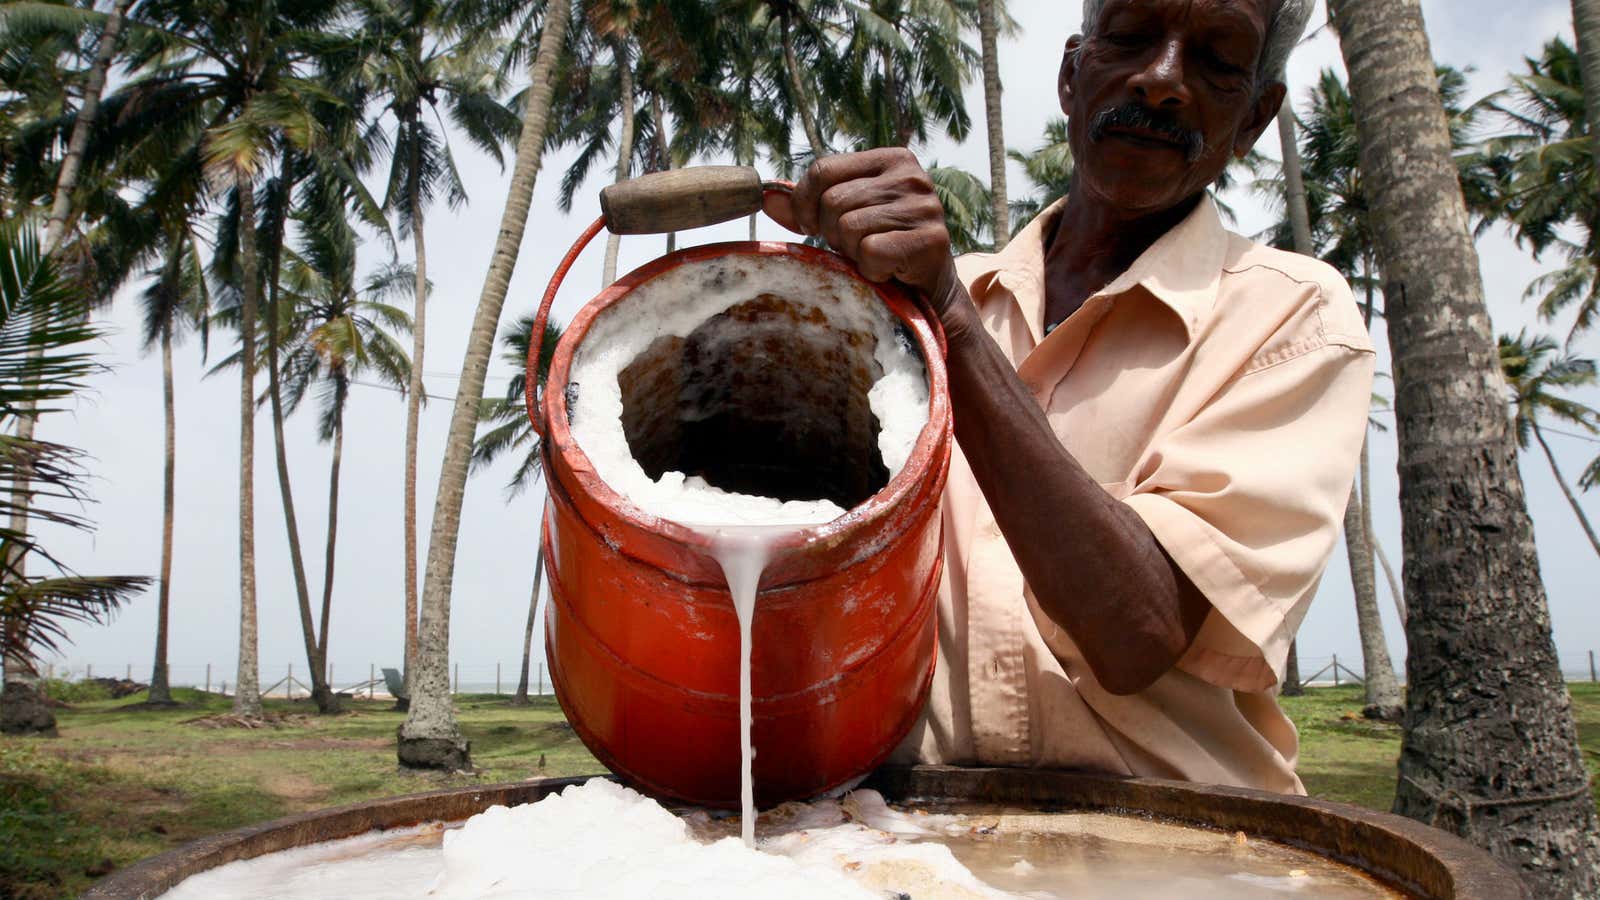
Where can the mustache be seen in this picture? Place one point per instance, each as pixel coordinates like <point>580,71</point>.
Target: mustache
<point>1137,115</point>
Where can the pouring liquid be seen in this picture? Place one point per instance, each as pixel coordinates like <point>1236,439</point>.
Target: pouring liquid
<point>743,553</point>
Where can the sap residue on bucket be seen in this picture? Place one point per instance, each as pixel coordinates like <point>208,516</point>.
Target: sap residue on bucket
<point>602,840</point>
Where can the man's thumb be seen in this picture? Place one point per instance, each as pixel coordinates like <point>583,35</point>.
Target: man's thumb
<point>779,206</point>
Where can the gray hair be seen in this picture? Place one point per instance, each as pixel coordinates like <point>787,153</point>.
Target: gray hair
<point>1284,28</point>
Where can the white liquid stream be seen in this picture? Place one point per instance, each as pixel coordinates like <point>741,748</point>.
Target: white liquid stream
<point>743,553</point>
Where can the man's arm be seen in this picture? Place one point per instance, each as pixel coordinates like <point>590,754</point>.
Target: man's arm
<point>1092,563</point>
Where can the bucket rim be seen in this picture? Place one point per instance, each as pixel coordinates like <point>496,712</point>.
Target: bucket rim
<point>702,539</point>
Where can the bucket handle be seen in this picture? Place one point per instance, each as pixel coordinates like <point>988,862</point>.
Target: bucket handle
<point>676,200</point>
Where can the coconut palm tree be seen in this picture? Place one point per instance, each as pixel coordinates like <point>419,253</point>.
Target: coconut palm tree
<point>904,69</point>
<point>240,78</point>
<point>990,16</point>
<point>1551,195</point>
<point>35,80</point>
<point>430,736</point>
<point>1049,167</point>
<point>738,110</point>
<point>628,52</point>
<point>509,431</point>
<point>599,91</point>
<point>44,359</point>
<point>176,300</point>
<point>1489,725</point>
<point>1536,370</point>
<point>324,200</point>
<point>33,20</point>
<point>967,210</point>
<point>323,175</point>
<point>334,334</point>
<point>278,190</point>
<point>1300,228</point>
<point>63,207</point>
<point>792,48</point>
<point>423,57</point>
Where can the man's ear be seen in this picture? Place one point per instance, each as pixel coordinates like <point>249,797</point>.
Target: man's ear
<point>1069,72</point>
<point>1262,112</point>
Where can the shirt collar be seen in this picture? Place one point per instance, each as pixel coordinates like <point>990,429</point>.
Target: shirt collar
<point>1182,268</point>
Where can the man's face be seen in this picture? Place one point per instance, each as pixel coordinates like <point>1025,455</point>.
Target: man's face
<point>1163,95</point>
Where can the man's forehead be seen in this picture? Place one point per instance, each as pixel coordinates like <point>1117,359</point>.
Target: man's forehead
<point>1250,13</point>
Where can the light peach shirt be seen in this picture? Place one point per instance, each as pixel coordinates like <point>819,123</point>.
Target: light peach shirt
<point>1220,389</point>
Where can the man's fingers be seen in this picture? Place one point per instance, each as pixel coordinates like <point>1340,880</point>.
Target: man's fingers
<point>846,201</point>
<point>832,170</point>
<point>846,232</point>
<point>887,254</point>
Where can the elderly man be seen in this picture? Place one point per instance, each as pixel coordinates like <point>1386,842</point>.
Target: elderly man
<point>1158,421</point>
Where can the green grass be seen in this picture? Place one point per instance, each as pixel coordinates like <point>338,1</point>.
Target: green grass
<point>124,782</point>
<point>1347,758</point>
<point>1343,756</point>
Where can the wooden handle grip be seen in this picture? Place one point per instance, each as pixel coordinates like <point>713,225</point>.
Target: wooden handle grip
<point>681,199</point>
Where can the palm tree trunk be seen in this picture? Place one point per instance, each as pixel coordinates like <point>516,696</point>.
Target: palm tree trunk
<point>988,35</point>
<point>1382,690</point>
<point>1372,541</point>
<point>1366,475</point>
<point>802,101</point>
<point>1291,672</point>
<point>319,688</point>
<point>521,699</point>
<point>414,396</point>
<point>341,393</point>
<point>1586,22</point>
<point>1300,222</point>
<point>663,151</point>
<point>891,90</point>
<point>247,684</point>
<point>430,737</point>
<point>1294,182</point>
<point>750,161</point>
<point>1566,491</point>
<point>624,64</point>
<point>1394,583</point>
<point>1490,748</point>
<point>23,709</point>
<point>160,690</point>
<point>78,143</point>
<point>20,699</point>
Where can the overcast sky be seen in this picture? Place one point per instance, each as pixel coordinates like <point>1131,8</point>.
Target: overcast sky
<point>120,422</point>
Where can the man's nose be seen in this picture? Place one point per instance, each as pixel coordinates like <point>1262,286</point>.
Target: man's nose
<point>1160,83</point>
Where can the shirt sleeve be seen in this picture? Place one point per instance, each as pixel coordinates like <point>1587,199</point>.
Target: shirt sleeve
<point>1248,498</point>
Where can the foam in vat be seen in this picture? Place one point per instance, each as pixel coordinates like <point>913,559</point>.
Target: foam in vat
<point>602,840</point>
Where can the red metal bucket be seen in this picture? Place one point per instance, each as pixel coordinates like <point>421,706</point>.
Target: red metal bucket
<point>641,634</point>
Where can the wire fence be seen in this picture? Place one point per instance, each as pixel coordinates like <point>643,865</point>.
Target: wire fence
<point>291,679</point>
